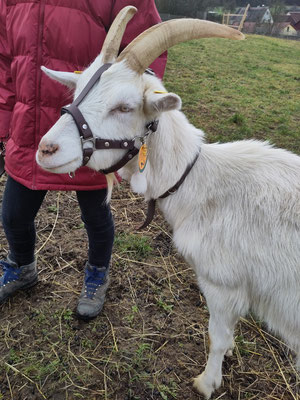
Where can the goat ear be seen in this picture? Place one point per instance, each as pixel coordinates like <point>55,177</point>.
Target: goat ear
<point>159,102</point>
<point>66,78</point>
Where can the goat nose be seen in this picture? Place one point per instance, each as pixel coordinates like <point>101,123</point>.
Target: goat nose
<point>47,149</point>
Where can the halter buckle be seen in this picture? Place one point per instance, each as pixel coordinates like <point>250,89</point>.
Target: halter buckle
<point>86,140</point>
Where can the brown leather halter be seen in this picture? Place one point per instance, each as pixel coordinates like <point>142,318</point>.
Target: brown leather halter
<point>86,135</point>
<point>172,190</point>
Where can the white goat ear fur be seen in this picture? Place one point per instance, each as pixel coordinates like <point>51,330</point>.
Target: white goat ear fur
<point>66,78</point>
<point>158,102</point>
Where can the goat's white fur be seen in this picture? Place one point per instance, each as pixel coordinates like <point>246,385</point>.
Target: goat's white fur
<point>235,219</point>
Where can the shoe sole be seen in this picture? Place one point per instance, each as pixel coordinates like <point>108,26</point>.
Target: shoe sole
<point>30,285</point>
<point>23,288</point>
<point>85,318</point>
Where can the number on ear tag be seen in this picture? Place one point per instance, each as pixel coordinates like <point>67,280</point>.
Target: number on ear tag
<point>143,154</point>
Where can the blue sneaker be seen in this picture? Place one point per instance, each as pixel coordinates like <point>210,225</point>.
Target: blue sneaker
<point>16,278</point>
<point>91,299</point>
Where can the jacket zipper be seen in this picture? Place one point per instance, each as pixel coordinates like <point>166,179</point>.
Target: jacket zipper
<point>38,86</point>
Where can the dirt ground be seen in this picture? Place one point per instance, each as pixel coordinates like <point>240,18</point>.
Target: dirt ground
<point>150,340</point>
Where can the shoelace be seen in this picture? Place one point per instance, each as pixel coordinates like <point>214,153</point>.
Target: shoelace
<point>9,273</point>
<point>93,279</point>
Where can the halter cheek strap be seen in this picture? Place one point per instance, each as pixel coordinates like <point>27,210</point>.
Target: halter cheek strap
<point>133,151</point>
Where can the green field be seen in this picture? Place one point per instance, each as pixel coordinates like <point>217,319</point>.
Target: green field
<point>238,90</point>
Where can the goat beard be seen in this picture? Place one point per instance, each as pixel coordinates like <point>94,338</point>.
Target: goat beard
<point>111,181</point>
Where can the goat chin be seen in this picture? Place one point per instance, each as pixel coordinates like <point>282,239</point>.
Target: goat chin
<point>111,181</point>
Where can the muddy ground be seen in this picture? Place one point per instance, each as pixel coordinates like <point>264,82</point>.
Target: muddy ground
<point>150,340</point>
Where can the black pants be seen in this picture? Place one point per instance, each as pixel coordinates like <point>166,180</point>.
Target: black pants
<point>19,209</point>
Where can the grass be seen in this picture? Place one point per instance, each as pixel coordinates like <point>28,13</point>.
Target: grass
<point>133,245</point>
<point>151,338</point>
<point>239,90</point>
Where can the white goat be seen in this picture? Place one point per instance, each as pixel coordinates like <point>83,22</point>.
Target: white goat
<point>235,218</point>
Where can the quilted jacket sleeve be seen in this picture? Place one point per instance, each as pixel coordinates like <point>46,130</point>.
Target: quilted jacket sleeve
<point>7,95</point>
<point>146,16</point>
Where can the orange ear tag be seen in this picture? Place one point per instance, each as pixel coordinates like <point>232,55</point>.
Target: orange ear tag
<point>77,72</point>
<point>143,154</point>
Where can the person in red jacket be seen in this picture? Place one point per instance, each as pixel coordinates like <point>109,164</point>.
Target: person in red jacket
<point>64,35</point>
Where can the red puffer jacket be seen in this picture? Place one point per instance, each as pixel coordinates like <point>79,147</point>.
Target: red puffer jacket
<point>64,35</point>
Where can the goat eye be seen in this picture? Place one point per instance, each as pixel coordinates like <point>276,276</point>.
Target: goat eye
<point>121,108</point>
<point>124,109</point>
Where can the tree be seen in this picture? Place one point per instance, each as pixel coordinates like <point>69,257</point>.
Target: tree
<point>188,8</point>
<point>277,9</point>
<point>230,5</point>
<point>191,8</point>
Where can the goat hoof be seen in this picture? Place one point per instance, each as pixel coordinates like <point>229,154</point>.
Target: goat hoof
<point>202,386</point>
<point>229,353</point>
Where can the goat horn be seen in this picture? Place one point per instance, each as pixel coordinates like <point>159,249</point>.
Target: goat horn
<point>150,44</point>
<point>111,45</point>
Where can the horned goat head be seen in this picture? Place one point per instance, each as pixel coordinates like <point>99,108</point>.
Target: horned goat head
<point>123,102</point>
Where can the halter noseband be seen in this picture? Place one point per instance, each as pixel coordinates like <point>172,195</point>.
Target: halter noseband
<point>86,135</point>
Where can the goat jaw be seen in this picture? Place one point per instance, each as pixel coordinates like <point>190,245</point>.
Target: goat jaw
<point>68,167</point>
